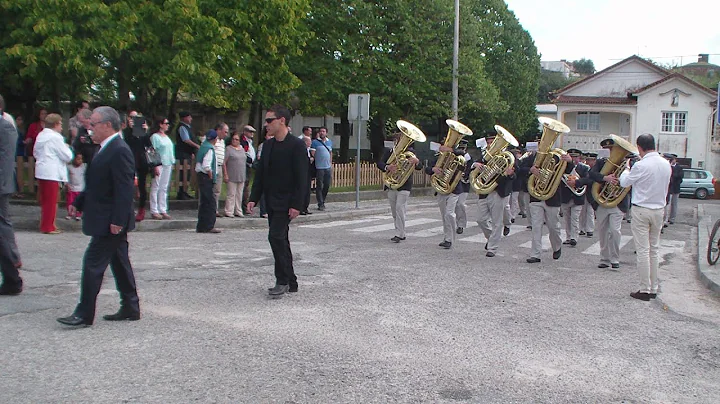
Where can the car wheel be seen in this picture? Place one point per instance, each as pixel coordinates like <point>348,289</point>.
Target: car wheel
<point>701,193</point>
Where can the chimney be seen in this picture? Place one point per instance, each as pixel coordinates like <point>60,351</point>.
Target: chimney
<point>703,58</point>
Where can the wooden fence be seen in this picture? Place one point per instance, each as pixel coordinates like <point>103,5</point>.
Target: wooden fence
<point>343,176</point>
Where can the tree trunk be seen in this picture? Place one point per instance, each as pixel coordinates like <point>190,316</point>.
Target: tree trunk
<point>344,138</point>
<point>123,85</point>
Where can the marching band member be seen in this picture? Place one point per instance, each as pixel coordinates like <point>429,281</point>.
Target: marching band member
<point>609,220</point>
<point>587,214</point>
<point>571,203</point>
<point>447,203</point>
<point>547,211</point>
<point>524,198</point>
<point>460,211</point>
<point>507,218</point>
<point>398,198</point>
<point>516,205</point>
<point>491,209</point>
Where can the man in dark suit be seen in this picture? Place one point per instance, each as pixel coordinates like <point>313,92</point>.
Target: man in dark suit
<point>107,210</point>
<point>9,255</point>
<point>281,177</point>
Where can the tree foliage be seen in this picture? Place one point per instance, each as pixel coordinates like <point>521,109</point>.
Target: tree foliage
<point>584,67</point>
<point>550,81</point>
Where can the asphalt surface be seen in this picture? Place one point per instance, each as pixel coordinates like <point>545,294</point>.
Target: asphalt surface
<point>373,321</point>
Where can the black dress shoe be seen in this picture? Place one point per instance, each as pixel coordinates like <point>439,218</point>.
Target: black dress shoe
<point>512,220</point>
<point>615,266</point>
<point>671,222</point>
<point>556,254</point>
<point>460,230</point>
<point>445,244</point>
<point>122,315</point>
<point>397,239</point>
<point>589,234</point>
<point>566,242</point>
<point>665,225</point>
<point>603,265</point>
<point>653,295</point>
<point>640,296</point>
<point>293,288</point>
<point>529,227</point>
<point>7,290</point>
<point>523,215</point>
<point>506,231</point>
<point>533,260</point>
<point>582,233</point>
<point>278,290</point>
<point>573,242</point>
<point>73,321</point>
<point>489,254</point>
<point>486,245</point>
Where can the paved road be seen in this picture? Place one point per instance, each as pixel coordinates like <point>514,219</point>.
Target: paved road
<point>373,321</point>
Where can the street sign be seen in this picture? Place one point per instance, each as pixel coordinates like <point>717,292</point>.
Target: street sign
<point>359,107</point>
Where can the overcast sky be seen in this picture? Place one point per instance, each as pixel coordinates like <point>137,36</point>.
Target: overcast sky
<point>607,31</point>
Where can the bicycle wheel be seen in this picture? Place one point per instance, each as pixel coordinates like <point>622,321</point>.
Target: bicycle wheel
<point>713,250</point>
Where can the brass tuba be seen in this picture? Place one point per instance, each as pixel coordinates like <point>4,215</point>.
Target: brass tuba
<point>610,195</point>
<point>452,166</point>
<point>401,157</point>
<point>497,160</point>
<point>576,191</point>
<point>548,161</point>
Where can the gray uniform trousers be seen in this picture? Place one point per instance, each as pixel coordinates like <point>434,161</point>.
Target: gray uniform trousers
<point>671,208</point>
<point>9,253</point>
<point>525,205</point>
<point>398,207</point>
<point>542,212</point>
<point>571,218</point>
<point>515,204</point>
<point>447,204</point>
<point>490,216</point>
<point>460,211</point>
<point>609,223</point>
<point>506,213</point>
<point>587,218</point>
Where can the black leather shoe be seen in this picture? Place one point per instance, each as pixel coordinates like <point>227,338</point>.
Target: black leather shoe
<point>653,295</point>
<point>489,254</point>
<point>73,321</point>
<point>293,288</point>
<point>615,266</point>
<point>460,230</point>
<point>582,233</point>
<point>589,234</point>
<point>7,290</point>
<point>397,239</point>
<point>556,254</point>
<point>524,216</point>
<point>445,244</point>
<point>278,290</point>
<point>573,242</point>
<point>665,225</point>
<point>506,231</point>
<point>671,222</point>
<point>512,220</point>
<point>566,242</point>
<point>640,296</point>
<point>529,227</point>
<point>533,260</point>
<point>603,265</point>
<point>122,315</point>
<point>486,245</point>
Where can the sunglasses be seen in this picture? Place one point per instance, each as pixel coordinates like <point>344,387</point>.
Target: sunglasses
<point>269,120</point>
<point>165,123</point>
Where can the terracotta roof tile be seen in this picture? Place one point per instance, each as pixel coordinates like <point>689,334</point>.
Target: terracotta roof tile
<point>569,99</point>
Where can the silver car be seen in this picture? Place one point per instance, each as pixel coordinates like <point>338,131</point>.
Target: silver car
<point>697,183</point>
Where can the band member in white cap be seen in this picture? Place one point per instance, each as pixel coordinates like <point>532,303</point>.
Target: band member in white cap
<point>587,214</point>
<point>571,203</point>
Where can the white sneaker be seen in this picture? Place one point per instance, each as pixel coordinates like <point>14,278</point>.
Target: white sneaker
<point>68,217</point>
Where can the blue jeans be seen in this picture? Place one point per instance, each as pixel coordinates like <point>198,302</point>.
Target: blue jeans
<point>322,185</point>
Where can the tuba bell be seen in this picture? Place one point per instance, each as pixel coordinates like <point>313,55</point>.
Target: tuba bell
<point>610,195</point>
<point>401,156</point>
<point>548,160</point>
<point>574,175</point>
<point>483,180</point>
<point>452,166</point>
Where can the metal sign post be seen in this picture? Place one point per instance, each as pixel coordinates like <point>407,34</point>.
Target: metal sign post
<point>358,110</point>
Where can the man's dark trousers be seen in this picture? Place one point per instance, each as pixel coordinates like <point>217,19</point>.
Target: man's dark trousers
<point>322,185</point>
<point>306,201</point>
<point>279,222</point>
<point>101,251</point>
<point>206,210</point>
<point>8,247</point>
<point>184,174</point>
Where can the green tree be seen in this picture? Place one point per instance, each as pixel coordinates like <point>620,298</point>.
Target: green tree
<point>584,67</point>
<point>550,81</point>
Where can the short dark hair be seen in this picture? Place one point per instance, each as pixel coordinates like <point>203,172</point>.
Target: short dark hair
<point>646,142</point>
<point>79,104</point>
<point>281,112</point>
<point>306,128</point>
<point>220,125</point>
<point>323,127</point>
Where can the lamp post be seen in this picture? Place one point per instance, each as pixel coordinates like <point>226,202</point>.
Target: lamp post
<point>456,49</point>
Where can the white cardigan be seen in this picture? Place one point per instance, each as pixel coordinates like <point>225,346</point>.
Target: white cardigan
<point>51,156</point>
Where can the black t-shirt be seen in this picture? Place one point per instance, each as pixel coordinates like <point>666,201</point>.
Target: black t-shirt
<point>279,165</point>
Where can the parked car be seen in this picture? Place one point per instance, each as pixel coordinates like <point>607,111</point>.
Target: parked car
<point>698,183</point>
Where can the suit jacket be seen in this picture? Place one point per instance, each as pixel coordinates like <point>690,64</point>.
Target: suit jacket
<point>582,171</point>
<point>594,176</point>
<point>676,179</point>
<point>109,189</point>
<point>8,142</point>
<point>287,192</point>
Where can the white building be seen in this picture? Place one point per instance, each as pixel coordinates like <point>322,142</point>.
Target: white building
<point>634,97</point>
<point>561,66</point>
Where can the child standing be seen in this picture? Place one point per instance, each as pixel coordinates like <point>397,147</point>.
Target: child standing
<point>76,183</point>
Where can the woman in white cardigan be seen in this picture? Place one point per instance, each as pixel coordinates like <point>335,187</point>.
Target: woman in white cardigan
<point>51,157</point>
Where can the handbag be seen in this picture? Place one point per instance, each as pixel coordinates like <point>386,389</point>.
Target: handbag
<point>152,157</point>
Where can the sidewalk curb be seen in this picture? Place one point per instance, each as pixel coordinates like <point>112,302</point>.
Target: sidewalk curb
<point>709,274</point>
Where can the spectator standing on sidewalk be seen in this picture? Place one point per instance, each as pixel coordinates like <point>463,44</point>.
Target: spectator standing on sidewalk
<point>36,126</point>
<point>9,253</point>
<point>206,167</point>
<point>311,173</point>
<point>162,143</point>
<point>323,166</point>
<point>75,185</point>
<point>222,131</point>
<point>83,143</point>
<point>246,141</point>
<point>234,174</point>
<point>185,148</point>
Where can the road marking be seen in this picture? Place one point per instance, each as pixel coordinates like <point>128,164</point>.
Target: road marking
<point>595,248</point>
<point>545,240</point>
<point>390,226</point>
<point>435,231</point>
<point>480,237</point>
<point>342,222</point>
